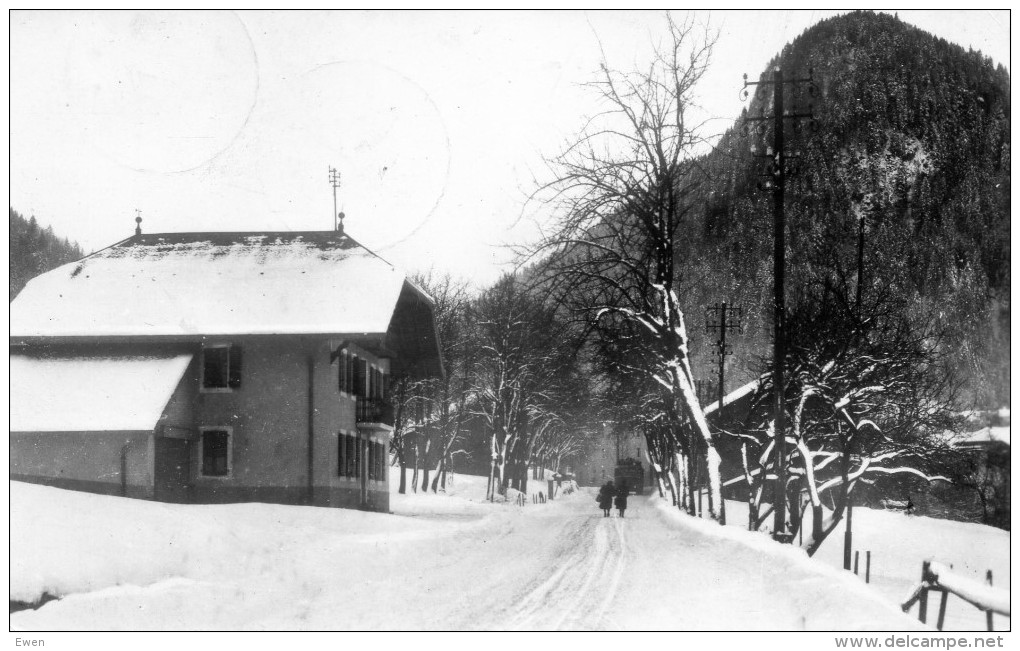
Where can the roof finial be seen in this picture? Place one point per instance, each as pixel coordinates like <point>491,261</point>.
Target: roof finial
<point>340,223</point>
<point>138,220</point>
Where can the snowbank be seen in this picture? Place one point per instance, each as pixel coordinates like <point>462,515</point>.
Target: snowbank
<point>815,590</point>
<point>899,543</point>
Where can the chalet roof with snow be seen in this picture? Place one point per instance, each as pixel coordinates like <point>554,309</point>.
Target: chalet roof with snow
<point>213,284</point>
<point>195,285</point>
<point>61,393</point>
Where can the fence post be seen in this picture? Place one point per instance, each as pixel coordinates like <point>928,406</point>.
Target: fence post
<point>942,609</point>
<point>867,567</point>
<point>857,557</point>
<point>988,613</point>
<point>925,580</point>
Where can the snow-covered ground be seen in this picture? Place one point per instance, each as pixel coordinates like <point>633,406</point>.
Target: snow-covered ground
<point>899,543</point>
<point>447,562</point>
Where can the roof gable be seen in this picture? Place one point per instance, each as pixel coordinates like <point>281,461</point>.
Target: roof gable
<point>195,284</point>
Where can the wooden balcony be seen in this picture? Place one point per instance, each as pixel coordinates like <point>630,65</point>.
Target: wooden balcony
<point>374,413</point>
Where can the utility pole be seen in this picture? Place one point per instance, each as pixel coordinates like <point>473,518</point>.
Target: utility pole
<point>715,319</point>
<point>848,535</point>
<point>779,157</point>
<point>334,180</point>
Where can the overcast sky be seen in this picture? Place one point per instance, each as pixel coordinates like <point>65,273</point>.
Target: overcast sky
<point>220,121</point>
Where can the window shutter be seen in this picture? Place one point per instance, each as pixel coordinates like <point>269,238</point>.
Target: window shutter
<point>357,456</point>
<point>365,381</point>
<point>371,459</point>
<point>345,372</point>
<point>351,455</point>
<point>357,377</point>
<point>235,367</point>
<point>341,442</point>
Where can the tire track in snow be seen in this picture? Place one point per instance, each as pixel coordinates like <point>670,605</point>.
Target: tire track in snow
<point>610,574</point>
<point>579,592</point>
<point>583,594</point>
<point>617,574</point>
<point>537,604</point>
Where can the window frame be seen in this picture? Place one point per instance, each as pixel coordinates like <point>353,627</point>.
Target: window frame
<point>348,446</point>
<point>230,450</point>
<point>227,388</point>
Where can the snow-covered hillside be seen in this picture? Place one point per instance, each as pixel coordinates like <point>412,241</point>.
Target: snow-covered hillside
<point>451,562</point>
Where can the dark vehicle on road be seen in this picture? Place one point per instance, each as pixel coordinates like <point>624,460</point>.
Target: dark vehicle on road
<point>630,473</point>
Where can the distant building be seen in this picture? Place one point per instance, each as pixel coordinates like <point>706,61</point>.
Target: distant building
<point>598,463</point>
<point>216,367</point>
<point>985,492</point>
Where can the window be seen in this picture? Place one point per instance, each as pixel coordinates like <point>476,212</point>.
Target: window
<point>216,452</point>
<point>356,377</point>
<point>348,456</point>
<point>221,367</point>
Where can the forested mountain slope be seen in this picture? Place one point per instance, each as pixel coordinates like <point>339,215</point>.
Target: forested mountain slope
<point>35,250</point>
<point>912,137</point>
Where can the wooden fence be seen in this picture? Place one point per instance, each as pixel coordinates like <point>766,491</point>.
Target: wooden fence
<point>936,577</point>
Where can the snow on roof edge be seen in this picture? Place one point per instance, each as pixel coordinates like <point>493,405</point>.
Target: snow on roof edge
<point>81,393</point>
<point>736,394</point>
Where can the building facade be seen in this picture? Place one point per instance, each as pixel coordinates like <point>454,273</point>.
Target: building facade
<point>215,367</point>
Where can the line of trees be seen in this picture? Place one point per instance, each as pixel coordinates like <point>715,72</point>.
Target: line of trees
<point>514,392</point>
<point>622,196</point>
<point>642,218</point>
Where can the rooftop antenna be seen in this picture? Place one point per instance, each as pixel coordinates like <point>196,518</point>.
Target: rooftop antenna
<point>138,221</point>
<point>334,180</point>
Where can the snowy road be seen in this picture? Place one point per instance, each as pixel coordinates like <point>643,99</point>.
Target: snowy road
<point>649,572</point>
<point>555,566</point>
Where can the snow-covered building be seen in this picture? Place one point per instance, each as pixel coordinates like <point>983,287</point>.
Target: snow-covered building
<point>216,367</point>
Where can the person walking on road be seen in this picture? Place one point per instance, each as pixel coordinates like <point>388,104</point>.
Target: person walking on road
<point>605,498</point>
<point>621,498</point>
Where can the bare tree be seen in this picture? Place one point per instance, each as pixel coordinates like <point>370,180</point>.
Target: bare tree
<point>868,395</point>
<point>429,412</point>
<point>622,195</point>
<point>519,377</point>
